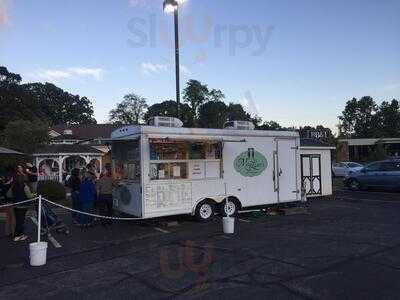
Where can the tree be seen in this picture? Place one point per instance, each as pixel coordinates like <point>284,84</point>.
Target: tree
<point>195,94</point>
<point>236,112</point>
<point>40,102</point>
<point>15,102</point>
<point>169,109</point>
<point>8,78</point>
<point>24,136</point>
<point>59,106</point>
<point>358,118</point>
<point>270,125</point>
<point>213,114</point>
<point>388,119</point>
<point>215,95</point>
<point>130,111</point>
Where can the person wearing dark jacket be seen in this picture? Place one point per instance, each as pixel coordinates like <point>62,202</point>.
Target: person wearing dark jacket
<point>74,183</point>
<point>19,194</point>
<point>87,195</point>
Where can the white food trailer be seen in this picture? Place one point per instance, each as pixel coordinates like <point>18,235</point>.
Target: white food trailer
<point>166,171</point>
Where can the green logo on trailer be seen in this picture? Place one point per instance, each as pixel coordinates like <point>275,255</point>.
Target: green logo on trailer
<point>250,163</point>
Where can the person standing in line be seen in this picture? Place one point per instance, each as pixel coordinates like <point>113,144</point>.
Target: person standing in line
<point>104,187</point>
<point>87,195</point>
<point>5,184</point>
<point>74,183</point>
<point>32,173</point>
<point>18,195</point>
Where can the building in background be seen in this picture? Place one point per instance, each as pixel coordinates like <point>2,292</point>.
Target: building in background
<point>73,146</point>
<point>363,150</point>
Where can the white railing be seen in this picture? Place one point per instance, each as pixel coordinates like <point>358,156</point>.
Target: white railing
<point>48,177</point>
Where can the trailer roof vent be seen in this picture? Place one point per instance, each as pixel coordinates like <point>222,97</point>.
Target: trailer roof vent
<point>239,125</point>
<point>165,122</point>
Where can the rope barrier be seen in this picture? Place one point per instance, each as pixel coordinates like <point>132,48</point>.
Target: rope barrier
<point>89,214</point>
<point>18,203</point>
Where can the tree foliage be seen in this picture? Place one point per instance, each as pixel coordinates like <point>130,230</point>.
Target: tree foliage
<point>213,114</point>
<point>24,136</point>
<point>365,119</point>
<point>40,102</point>
<point>59,106</point>
<point>130,111</point>
<point>270,125</point>
<point>195,94</point>
<point>169,109</point>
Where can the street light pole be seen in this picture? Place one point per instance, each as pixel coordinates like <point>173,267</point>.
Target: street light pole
<point>177,66</point>
<point>169,6</point>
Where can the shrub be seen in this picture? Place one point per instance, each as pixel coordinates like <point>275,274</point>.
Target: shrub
<point>51,190</point>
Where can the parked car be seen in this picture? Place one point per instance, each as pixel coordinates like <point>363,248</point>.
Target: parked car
<point>344,168</point>
<point>381,174</point>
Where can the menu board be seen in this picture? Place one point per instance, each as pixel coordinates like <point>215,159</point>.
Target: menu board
<point>168,196</point>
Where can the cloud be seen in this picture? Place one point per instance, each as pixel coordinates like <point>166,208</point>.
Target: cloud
<point>148,68</point>
<point>4,20</point>
<point>96,73</point>
<point>69,73</point>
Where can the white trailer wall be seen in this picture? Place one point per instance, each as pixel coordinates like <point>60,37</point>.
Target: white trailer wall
<point>326,167</point>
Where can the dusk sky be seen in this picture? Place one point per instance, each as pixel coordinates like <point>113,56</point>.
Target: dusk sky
<point>293,61</point>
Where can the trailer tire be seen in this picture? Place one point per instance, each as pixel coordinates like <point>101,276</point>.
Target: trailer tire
<point>230,207</point>
<point>205,210</point>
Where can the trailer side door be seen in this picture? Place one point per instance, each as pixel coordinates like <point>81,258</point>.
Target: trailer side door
<point>286,170</point>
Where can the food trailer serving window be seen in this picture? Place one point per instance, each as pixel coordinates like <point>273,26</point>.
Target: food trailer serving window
<point>184,159</point>
<point>126,160</point>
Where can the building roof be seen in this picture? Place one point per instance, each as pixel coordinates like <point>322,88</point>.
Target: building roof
<point>311,142</point>
<point>85,132</point>
<point>370,141</point>
<point>66,148</point>
<point>9,151</point>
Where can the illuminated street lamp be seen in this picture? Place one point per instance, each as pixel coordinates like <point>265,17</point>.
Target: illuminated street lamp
<point>171,6</point>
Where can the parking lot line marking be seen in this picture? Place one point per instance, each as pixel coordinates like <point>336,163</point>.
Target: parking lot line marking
<point>370,200</point>
<point>366,192</point>
<point>243,220</point>
<point>161,230</point>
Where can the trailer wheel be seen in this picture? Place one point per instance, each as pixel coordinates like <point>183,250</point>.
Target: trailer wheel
<point>205,211</point>
<point>229,207</point>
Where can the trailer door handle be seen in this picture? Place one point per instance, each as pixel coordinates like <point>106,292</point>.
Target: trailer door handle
<point>280,172</point>
<point>275,175</point>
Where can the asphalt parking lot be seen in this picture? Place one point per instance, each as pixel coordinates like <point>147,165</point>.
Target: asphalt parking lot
<point>344,247</point>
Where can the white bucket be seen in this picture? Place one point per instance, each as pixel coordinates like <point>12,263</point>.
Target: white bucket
<point>228,224</point>
<point>38,253</point>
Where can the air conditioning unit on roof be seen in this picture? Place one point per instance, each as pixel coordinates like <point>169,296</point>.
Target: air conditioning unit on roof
<point>165,122</point>
<point>239,125</point>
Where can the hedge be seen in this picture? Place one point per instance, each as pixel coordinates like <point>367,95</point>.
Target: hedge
<point>51,190</point>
